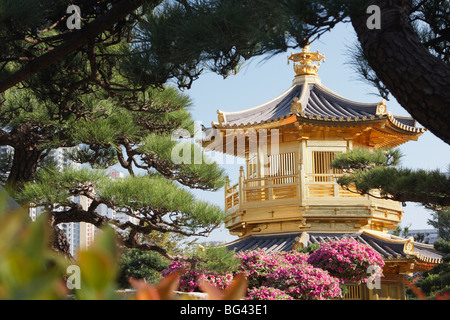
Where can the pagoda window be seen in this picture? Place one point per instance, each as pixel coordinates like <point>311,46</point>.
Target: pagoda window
<point>282,165</point>
<point>321,165</point>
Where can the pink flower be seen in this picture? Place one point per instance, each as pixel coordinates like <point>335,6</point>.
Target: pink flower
<point>354,267</point>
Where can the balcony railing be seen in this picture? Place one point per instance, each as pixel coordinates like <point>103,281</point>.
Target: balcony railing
<point>286,187</point>
<point>231,197</point>
<point>324,185</point>
<point>270,188</point>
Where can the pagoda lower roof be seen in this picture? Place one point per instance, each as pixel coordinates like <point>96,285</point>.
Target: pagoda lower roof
<point>390,247</point>
<point>318,103</point>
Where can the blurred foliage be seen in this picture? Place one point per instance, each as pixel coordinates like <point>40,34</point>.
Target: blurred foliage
<point>99,268</point>
<point>165,289</point>
<point>235,291</point>
<point>29,269</point>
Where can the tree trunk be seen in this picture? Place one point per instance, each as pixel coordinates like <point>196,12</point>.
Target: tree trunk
<point>24,165</point>
<point>59,241</point>
<point>418,80</point>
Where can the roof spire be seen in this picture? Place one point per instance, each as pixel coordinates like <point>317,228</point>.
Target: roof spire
<point>305,60</point>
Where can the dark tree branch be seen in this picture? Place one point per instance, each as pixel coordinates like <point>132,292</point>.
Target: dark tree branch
<point>77,39</point>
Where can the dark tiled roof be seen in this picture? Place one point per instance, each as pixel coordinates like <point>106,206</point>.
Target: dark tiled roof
<point>390,248</point>
<point>324,103</point>
<point>271,110</point>
<point>425,251</point>
<point>317,102</point>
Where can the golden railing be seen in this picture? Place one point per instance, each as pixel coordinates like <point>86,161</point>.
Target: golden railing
<point>324,185</point>
<point>231,197</point>
<point>270,188</point>
<point>285,187</point>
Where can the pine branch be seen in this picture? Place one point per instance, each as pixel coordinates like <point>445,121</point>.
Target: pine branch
<point>368,171</point>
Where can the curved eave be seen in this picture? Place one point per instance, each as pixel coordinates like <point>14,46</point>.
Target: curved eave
<point>301,117</point>
<point>403,127</point>
<point>414,255</point>
<point>427,260</point>
<point>362,120</point>
<point>325,120</point>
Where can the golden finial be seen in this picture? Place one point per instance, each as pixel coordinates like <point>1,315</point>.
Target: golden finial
<point>305,61</point>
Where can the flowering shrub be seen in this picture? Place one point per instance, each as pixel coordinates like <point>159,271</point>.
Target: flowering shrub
<point>288,272</point>
<point>220,281</point>
<point>346,258</point>
<point>292,275</point>
<point>267,293</point>
<point>189,281</point>
<point>303,281</point>
<point>258,265</point>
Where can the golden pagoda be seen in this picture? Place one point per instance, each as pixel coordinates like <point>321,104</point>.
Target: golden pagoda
<point>287,196</point>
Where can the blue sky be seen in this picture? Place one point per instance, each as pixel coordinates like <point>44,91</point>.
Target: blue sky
<point>262,79</point>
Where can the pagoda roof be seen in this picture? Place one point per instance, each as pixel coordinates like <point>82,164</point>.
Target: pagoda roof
<point>311,101</point>
<point>390,247</point>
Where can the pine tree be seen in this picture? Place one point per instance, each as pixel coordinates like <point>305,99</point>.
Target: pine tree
<point>440,220</point>
<point>406,55</point>
<point>155,190</point>
<point>81,90</point>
